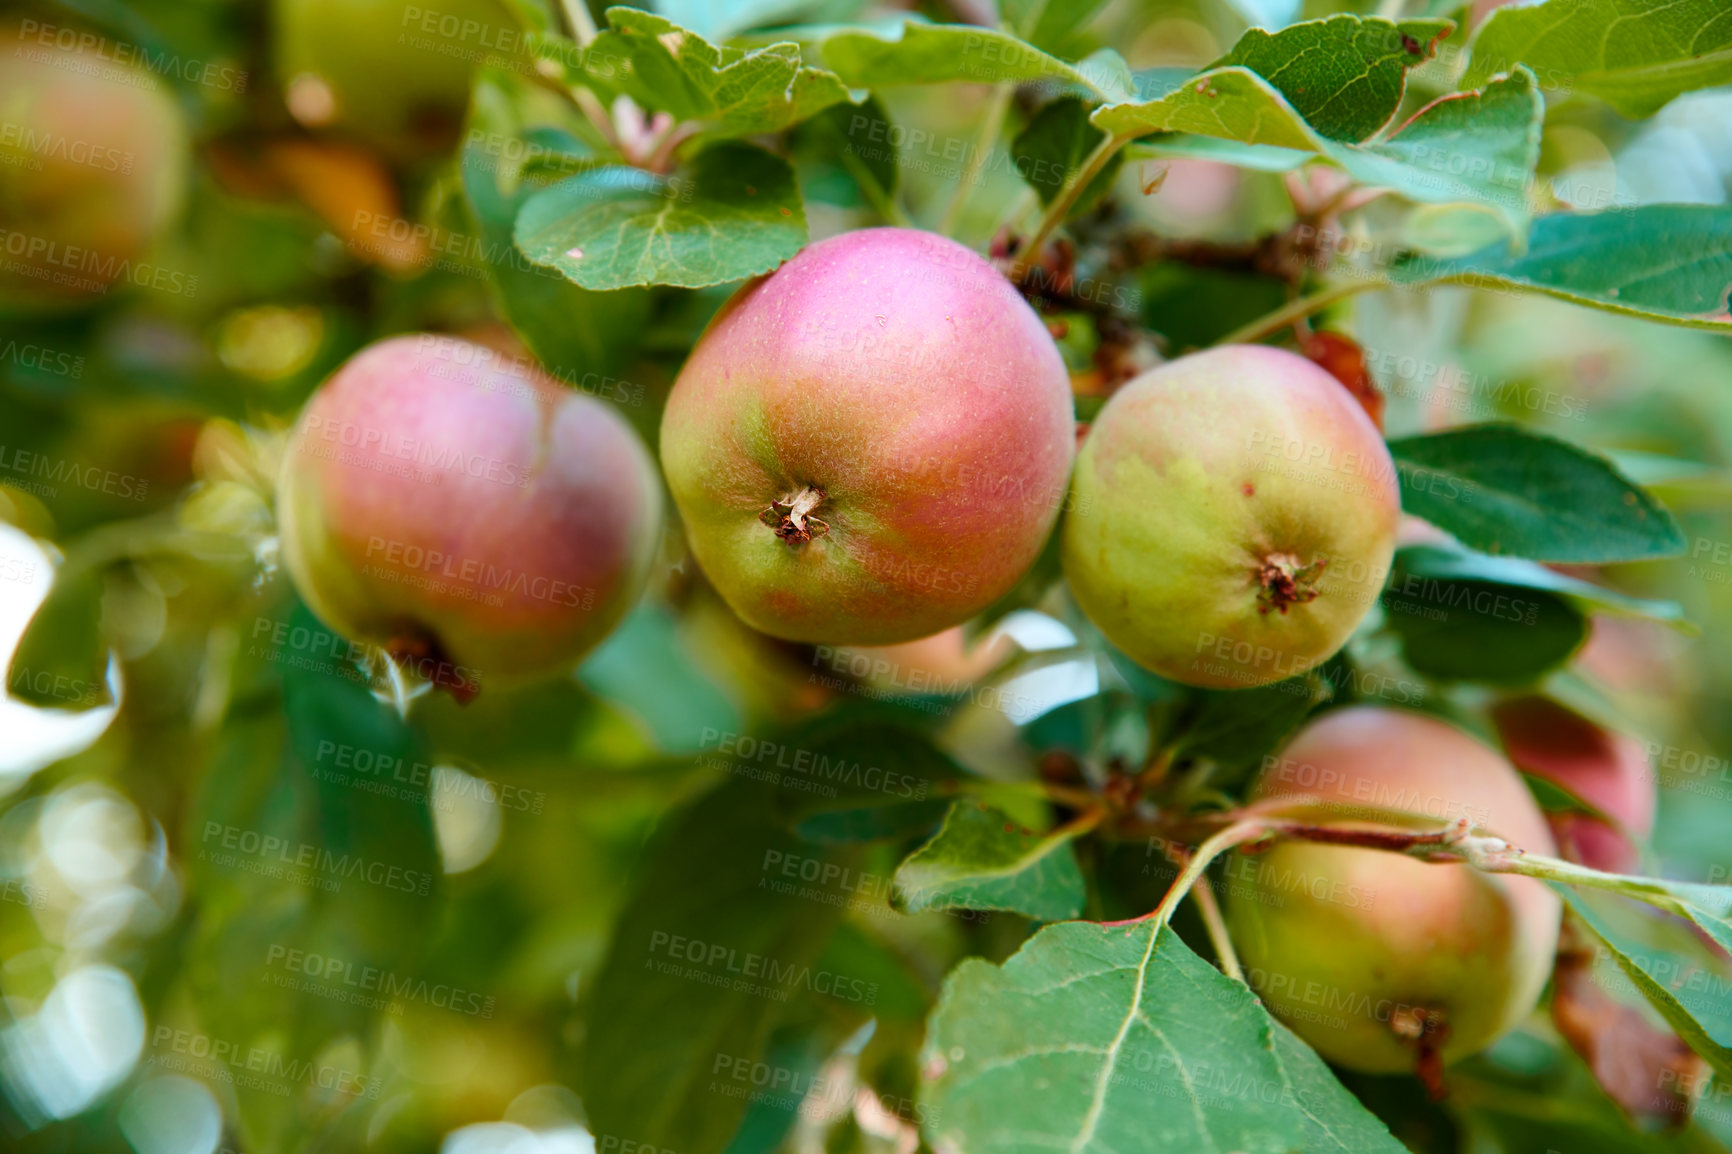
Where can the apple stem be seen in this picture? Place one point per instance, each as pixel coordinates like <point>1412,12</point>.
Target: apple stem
<point>1274,322</point>
<point>1073,188</point>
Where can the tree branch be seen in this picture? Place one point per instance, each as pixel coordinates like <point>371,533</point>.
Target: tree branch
<point>1273,322</point>
<point>1061,205</point>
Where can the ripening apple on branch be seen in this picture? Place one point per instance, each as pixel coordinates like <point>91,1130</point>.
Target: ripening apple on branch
<point>455,507</point>
<point>1232,518</point>
<point>871,444</point>
<point>1379,961</point>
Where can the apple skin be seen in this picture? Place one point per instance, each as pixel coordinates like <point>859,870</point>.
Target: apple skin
<point>96,167</point>
<point>1343,943</point>
<point>1232,517</point>
<point>899,376</point>
<point>438,498</point>
<point>396,75</point>
<point>1609,771</point>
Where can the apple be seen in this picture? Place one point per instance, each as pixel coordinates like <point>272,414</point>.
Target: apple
<point>871,444</point>
<point>1609,771</point>
<point>457,506</point>
<point>94,156</point>
<point>1232,518</point>
<point>393,74</point>
<point>1374,958</point>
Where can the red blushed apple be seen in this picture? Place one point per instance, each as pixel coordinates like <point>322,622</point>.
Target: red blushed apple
<point>440,500</point>
<point>1609,771</point>
<point>1374,958</point>
<point>872,443</point>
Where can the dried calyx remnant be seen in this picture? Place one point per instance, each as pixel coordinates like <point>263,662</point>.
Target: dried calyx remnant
<point>416,648</point>
<point>791,516</point>
<point>1427,1031</point>
<point>1284,581</point>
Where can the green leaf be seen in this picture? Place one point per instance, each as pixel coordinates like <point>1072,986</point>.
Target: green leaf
<point>1234,103</point>
<point>1480,630</point>
<point>1236,728</point>
<point>736,213</point>
<point>980,860</point>
<point>1502,489</point>
<point>1473,147</point>
<point>720,19</point>
<point>1695,1002</point>
<point>1663,262</point>
<point>646,668</point>
<point>860,141</point>
<point>1634,54</point>
<point>915,52</point>
<point>1458,565</point>
<point>581,337</point>
<point>704,957</point>
<point>1051,150</point>
<point>1345,75</point>
<point>1046,23</point>
<point>62,661</point>
<point>1117,1039</point>
<point>1261,157</point>
<point>739,92</point>
<point>855,779</point>
<point>287,850</point>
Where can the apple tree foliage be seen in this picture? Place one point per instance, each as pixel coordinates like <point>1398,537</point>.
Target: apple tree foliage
<point>740,884</point>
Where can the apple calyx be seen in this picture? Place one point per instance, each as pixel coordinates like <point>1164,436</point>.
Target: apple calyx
<point>416,648</point>
<point>791,516</point>
<point>1427,1031</point>
<point>1286,582</point>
